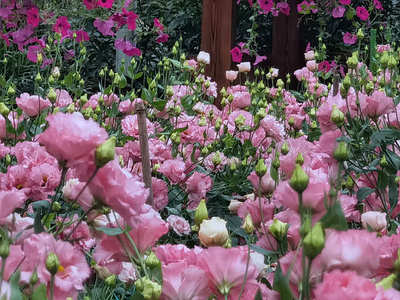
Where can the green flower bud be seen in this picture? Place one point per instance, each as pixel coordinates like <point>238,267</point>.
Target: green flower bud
<point>291,122</point>
<point>83,99</point>
<point>10,91</point>
<point>261,168</point>
<point>149,289</point>
<point>337,116</point>
<point>299,180</point>
<point>349,183</point>
<point>278,229</point>
<point>314,241</point>
<point>285,148</point>
<point>4,248</point>
<point>387,282</point>
<point>38,77</point>
<point>369,88</point>
<point>111,74</point>
<point>383,162</point>
<point>392,63</point>
<point>56,206</point>
<point>248,224</point>
<point>4,109</point>
<point>8,160</point>
<point>169,92</point>
<point>152,261</point>
<point>360,34</point>
<point>347,81</point>
<point>341,152</point>
<point>39,58</point>
<point>83,51</point>
<point>216,159</point>
<point>201,212</point>
<point>240,120</point>
<point>111,280</point>
<point>34,278</point>
<point>52,263</point>
<point>105,152</point>
<point>384,59</point>
<point>352,62</point>
<point>51,95</point>
<point>300,159</point>
<point>280,83</point>
<point>71,108</point>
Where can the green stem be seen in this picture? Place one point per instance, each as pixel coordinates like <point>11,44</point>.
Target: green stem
<point>3,266</point>
<point>52,287</point>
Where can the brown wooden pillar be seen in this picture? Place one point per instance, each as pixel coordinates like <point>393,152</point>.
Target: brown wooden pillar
<point>217,37</point>
<point>287,44</point>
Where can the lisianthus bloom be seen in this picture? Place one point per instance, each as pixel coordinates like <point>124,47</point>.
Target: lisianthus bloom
<point>376,105</point>
<point>197,187</point>
<point>362,13</point>
<point>236,55</point>
<point>32,105</point>
<point>174,170</point>
<point>70,137</point>
<point>213,232</point>
<point>338,12</point>
<point>105,3</point>
<point>71,273</point>
<point>62,26</point>
<point>179,225</point>
<point>349,39</point>
<point>374,220</point>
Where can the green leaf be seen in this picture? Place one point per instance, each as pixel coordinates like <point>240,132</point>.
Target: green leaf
<point>258,295</point>
<point>281,284</point>
<point>137,296</point>
<point>156,274</point>
<point>123,83</point>
<point>334,218</point>
<point>188,103</point>
<point>159,105</point>
<point>16,293</point>
<point>40,208</point>
<point>363,193</point>
<point>40,293</point>
<point>274,174</point>
<point>261,250</point>
<point>384,136</point>
<point>393,193</point>
<point>110,231</point>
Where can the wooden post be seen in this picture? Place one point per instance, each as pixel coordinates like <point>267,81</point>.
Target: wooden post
<point>217,37</point>
<point>144,149</point>
<point>287,45</point>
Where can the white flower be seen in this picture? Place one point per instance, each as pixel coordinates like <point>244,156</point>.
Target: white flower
<point>231,75</point>
<point>203,57</point>
<point>244,67</point>
<point>373,219</point>
<point>213,232</point>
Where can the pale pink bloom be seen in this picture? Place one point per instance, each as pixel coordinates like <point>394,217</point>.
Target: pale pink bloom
<point>13,261</point>
<point>375,105</point>
<point>356,250</point>
<point>10,200</point>
<point>303,74</point>
<point>252,207</point>
<point>325,110</point>
<point>339,285</point>
<point>228,266</point>
<point>32,105</point>
<point>191,63</point>
<point>327,142</point>
<point>168,254</point>
<point>43,179</point>
<point>338,12</point>
<point>390,294</point>
<point>110,99</point>
<point>119,189</point>
<point>80,233</point>
<point>174,170</point>
<point>63,98</point>
<point>312,65</point>
<point>349,206</point>
<point>244,67</point>
<point>203,57</point>
<point>71,190</point>
<point>160,193</point>
<point>19,227</point>
<point>197,187</point>
<point>70,137</point>
<point>273,128</point>
<point>73,270</point>
<point>374,220</point>
<point>241,99</point>
<point>130,126</point>
<point>231,75</point>
<point>383,48</point>
<point>309,55</point>
<point>30,154</point>
<point>313,196</point>
<point>179,225</point>
<point>147,228</point>
<point>182,281</point>
<point>128,273</point>
<point>274,72</point>
<point>126,107</point>
<point>3,128</point>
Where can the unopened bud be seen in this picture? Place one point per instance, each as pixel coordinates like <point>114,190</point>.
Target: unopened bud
<point>261,168</point>
<point>278,229</point>
<point>248,224</point>
<point>201,212</point>
<point>299,180</point>
<point>341,152</point>
<point>337,116</point>
<point>52,263</point>
<point>105,152</point>
<point>314,241</point>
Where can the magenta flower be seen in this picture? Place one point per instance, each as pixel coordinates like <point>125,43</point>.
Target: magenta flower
<point>162,37</point>
<point>62,26</point>
<point>236,55</point>
<point>105,27</point>
<point>127,47</point>
<point>33,16</point>
<point>105,3</point>
<point>378,5</point>
<point>90,4</point>
<point>81,36</point>
<point>131,20</point>
<point>158,24</point>
<point>345,2</point>
<point>362,13</point>
<point>349,39</point>
<point>338,12</point>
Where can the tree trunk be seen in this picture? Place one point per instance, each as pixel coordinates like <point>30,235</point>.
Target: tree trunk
<point>287,44</point>
<point>217,37</point>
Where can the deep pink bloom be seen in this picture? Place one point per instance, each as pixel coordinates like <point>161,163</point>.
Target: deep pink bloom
<point>158,24</point>
<point>81,36</point>
<point>236,55</point>
<point>70,137</point>
<point>32,105</point>
<point>378,5</point>
<point>105,3</point>
<point>105,27</point>
<point>174,170</point>
<point>252,207</point>
<point>349,38</point>
<point>131,20</point>
<point>33,16</point>
<point>197,186</point>
<point>162,38</point>
<point>126,47</point>
<point>90,4</point>
<point>283,8</point>
<point>356,250</point>
<point>362,13</point>
<point>62,26</point>
<point>338,12</point>
<point>339,285</point>
<point>345,2</point>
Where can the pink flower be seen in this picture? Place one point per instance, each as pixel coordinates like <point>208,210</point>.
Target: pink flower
<point>62,26</point>
<point>374,220</point>
<point>349,206</point>
<point>10,200</point>
<point>70,137</point>
<point>81,36</point>
<point>339,285</point>
<point>105,3</point>
<point>252,207</point>
<point>349,39</point>
<point>356,250</point>
<point>158,24</point>
<point>345,2</point>
<point>130,126</point>
<point>236,55</point>
<point>197,186</point>
<point>273,128</point>
<point>390,294</point>
<point>325,110</point>
<point>168,254</point>
<point>259,59</point>
<point>309,55</point>
<point>33,16</point>
<point>338,12</point>
<point>296,146</point>
<point>179,225</point>
<point>362,13</point>
<point>131,20</point>
<point>32,105</point>
<point>231,75</point>
<point>378,5</point>
<point>105,27</point>
<point>182,281</point>
<point>162,37</point>
<point>73,270</point>
<point>173,169</point>
<point>71,190</point>
<point>225,269</point>
<point>90,4</point>
<point>375,105</point>
<point>63,98</point>
<point>126,47</point>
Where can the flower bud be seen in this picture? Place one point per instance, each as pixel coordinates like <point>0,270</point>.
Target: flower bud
<point>261,168</point>
<point>4,248</point>
<point>383,162</point>
<point>360,34</point>
<point>152,261</point>
<point>352,62</point>
<point>34,278</point>
<point>248,224</point>
<point>216,159</point>
<point>201,212</point>
<point>52,263</point>
<point>374,220</point>
<point>278,229</point>
<point>38,77</point>
<point>4,109</point>
<point>267,184</point>
<point>341,152</point>
<point>203,57</point>
<point>347,81</point>
<point>234,205</point>
<point>285,148</point>
<point>149,289</point>
<point>314,241</point>
<point>300,159</point>
<point>105,152</point>
<point>213,232</point>
<point>111,280</point>
<point>337,116</point>
<point>51,95</point>
<point>299,180</point>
